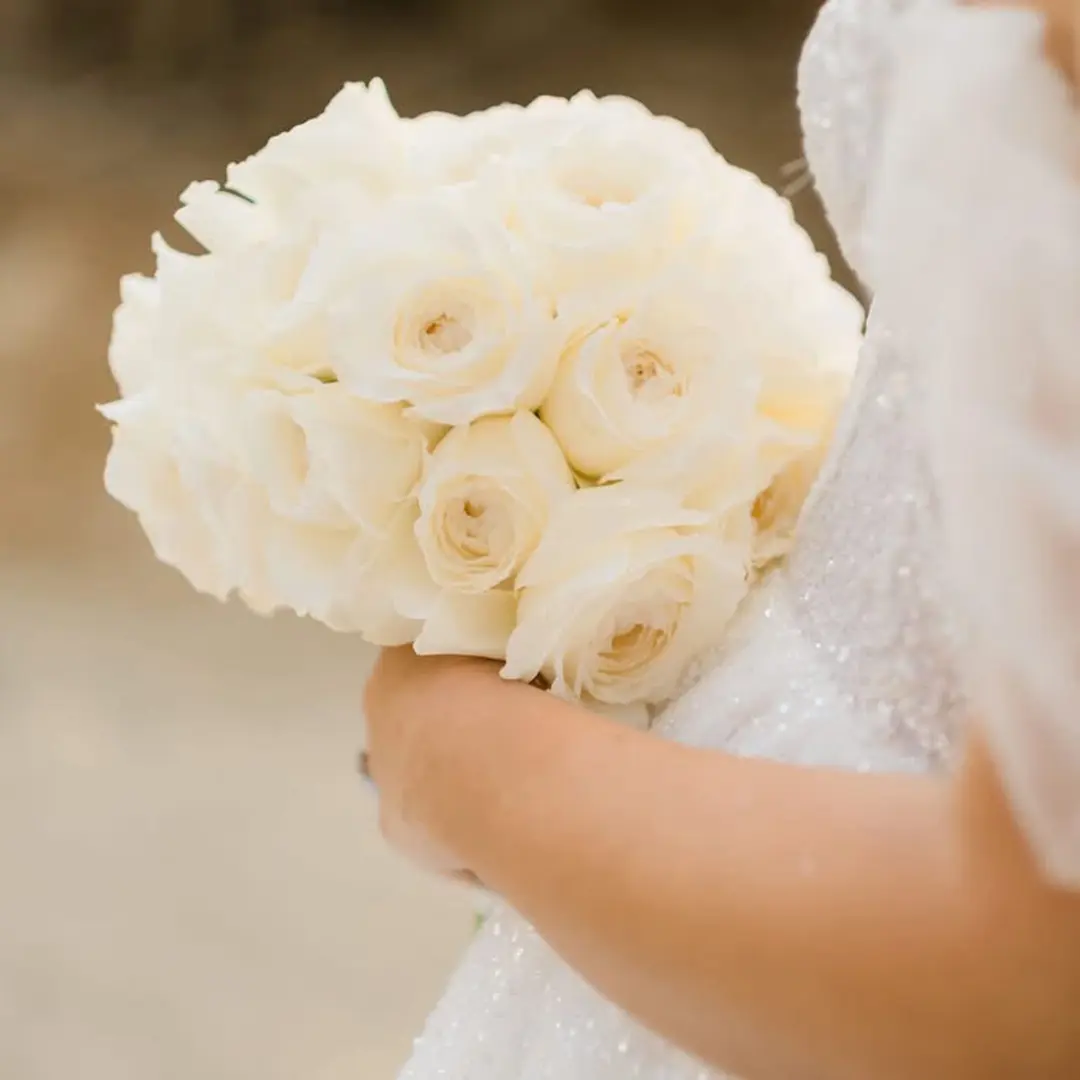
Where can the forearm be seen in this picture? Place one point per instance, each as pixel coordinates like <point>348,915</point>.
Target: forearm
<point>781,922</point>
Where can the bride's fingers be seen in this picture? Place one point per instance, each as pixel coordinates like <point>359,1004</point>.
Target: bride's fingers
<point>465,877</point>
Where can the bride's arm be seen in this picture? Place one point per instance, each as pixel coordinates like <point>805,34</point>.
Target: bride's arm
<point>790,923</point>
<point>781,922</point>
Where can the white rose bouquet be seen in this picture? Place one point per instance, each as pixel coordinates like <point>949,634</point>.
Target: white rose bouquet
<point>538,384</point>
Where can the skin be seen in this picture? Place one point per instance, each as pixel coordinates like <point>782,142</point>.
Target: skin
<point>782,923</point>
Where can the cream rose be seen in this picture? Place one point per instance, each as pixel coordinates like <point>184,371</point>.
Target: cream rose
<point>302,501</point>
<point>732,360</point>
<point>222,219</point>
<point>134,354</point>
<point>162,463</point>
<point>656,370</point>
<point>776,511</point>
<point>434,305</point>
<point>485,499</point>
<point>626,589</point>
<point>445,149</point>
<point>776,306</point>
<point>205,320</point>
<point>327,171</point>
<point>603,187</point>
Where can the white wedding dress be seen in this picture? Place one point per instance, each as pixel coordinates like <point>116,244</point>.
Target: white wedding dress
<point>940,549</point>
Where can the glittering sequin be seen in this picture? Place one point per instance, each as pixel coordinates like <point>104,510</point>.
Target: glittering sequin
<point>841,658</point>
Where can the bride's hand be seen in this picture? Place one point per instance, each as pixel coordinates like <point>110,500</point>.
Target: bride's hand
<point>411,746</point>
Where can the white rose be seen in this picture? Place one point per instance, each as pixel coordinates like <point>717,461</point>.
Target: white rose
<point>159,466</point>
<point>733,358</point>
<point>776,303</point>
<point>627,588</point>
<point>434,305</point>
<point>658,368</point>
<point>302,501</point>
<point>133,349</point>
<point>485,499</point>
<point>205,319</point>
<point>755,490</point>
<point>326,457</point>
<point>807,371</point>
<point>777,509</point>
<point>223,219</point>
<point>603,187</point>
<point>330,169</point>
<point>806,380</point>
<point>446,149</point>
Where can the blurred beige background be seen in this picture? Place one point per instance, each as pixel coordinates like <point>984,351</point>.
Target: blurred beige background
<point>190,881</point>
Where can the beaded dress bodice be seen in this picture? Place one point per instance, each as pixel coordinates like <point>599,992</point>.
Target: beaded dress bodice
<point>843,658</point>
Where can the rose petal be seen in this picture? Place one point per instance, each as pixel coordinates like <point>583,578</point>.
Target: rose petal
<point>478,625</point>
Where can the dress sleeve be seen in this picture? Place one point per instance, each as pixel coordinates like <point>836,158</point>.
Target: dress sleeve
<point>974,242</point>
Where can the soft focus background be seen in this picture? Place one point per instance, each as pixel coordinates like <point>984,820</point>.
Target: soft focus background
<point>191,886</point>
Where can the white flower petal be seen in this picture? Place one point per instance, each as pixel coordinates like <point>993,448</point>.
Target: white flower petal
<point>447,322</point>
<point>485,499</point>
<point>656,371</point>
<point>222,220</point>
<point>135,356</point>
<point>598,519</point>
<point>477,625</point>
<point>604,188</point>
<point>446,149</point>
<point>609,606</point>
<point>355,147</point>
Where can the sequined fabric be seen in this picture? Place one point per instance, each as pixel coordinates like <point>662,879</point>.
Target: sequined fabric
<point>842,658</point>
<point>842,79</point>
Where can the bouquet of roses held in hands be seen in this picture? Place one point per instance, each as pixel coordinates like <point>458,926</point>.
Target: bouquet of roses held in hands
<point>544,384</point>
